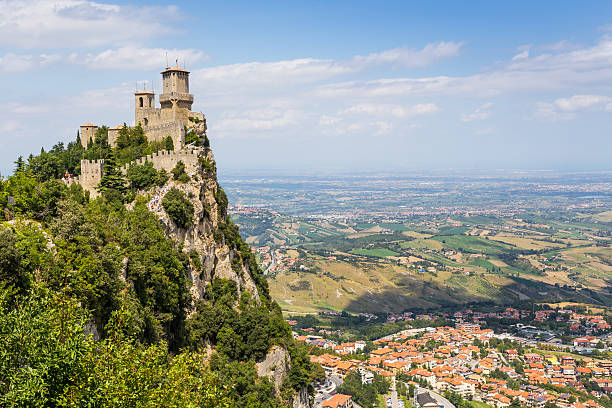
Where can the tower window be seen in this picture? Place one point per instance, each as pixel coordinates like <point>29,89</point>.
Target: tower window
<point>141,102</point>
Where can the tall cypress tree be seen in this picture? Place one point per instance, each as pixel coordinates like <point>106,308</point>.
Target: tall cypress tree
<point>112,178</point>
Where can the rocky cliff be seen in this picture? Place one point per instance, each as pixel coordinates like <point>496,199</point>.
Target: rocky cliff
<point>211,243</point>
<point>204,236</point>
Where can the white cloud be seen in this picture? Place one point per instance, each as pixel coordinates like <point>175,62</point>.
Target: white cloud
<point>584,67</point>
<point>123,58</point>
<point>580,102</point>
<point>78,23</point>
<point>391,110</point>
<point>9,125</point>
<point>480,113</point>
<point>566,108</point>
<point>409,58</point>
<point>132,57</point>
<point>11,62</point>
<point>304,70</point>
<point>521,55</point>
<point>257,120</point>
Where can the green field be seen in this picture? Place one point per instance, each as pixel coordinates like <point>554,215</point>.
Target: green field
<point>379,252</point>
<point>437,261</point>
<point>473,244</point>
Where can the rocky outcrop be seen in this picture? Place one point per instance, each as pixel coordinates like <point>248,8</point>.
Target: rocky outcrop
<point>206,240</point>
<point>302,399</point>
<point>275,366</point>
<point>202,237</point>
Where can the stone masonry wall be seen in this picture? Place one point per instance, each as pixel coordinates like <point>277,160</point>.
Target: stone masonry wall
<point>91,170</point>
<point>91,174</point>
<point>167,160</point>
<point>159,132</point>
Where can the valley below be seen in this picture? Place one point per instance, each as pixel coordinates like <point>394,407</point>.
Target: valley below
<point>386,244</point>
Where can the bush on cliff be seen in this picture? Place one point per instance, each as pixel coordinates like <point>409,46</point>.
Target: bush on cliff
<point>143,177</point>
<point>178,207</point>
<point>179,173</point>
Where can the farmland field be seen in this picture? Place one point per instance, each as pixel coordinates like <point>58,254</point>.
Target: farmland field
<point>417,246</point>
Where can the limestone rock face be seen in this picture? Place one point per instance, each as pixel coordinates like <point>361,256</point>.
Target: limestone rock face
<point>302,399</point>
<point>203,236</point>
<point>275,366</point>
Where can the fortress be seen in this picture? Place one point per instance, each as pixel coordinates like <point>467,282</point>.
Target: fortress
<point>171,119</point>
<point>158,123</point>
<point>92,170</point>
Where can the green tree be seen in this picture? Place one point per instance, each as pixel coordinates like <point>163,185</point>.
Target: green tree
<point>179,173</point>
<point>178,207</point>
<point>112,183</point>
<point>169,143</point>
<point>142,177</point>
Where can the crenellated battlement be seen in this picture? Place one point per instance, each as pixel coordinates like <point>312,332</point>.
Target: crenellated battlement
<point>92,170</point>
<point>167,160</point>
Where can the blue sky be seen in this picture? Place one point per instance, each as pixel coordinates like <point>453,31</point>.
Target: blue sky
<point>352,86</point>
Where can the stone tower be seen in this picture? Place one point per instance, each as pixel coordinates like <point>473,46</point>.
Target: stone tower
<point>88,133</point>
<point>144,106</point>
<point>176,94</point>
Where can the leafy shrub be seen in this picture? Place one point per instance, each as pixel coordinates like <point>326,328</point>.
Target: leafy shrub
<point>206,164</point>
<point>222,202</point>
<point>169,143</point>
<point>192,137</point>
<point>178,207</point>
<point>179,173</point>
<point>142,177</point>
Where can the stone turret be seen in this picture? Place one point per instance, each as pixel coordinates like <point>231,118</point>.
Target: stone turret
<point>175,89</point>
<point>88,133</point>
<point>144,106</point>
<point>91,174</point>
<point>113,135</point>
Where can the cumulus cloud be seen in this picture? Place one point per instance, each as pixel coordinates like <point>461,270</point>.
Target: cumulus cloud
<point>11,62</point>
<point>566,108</point>
<point>132,57</point>
<point>304,70</point>
<point>257,120</point>
<point>580,102</point>
<point>123,58</point>
<point>78,23</point>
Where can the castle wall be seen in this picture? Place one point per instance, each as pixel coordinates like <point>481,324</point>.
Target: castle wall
<point>167,160</point>
<point>159,132</point>
<point>91,174</point>
<point>92,170</point>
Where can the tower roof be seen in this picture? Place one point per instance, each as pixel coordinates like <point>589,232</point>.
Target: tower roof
<point>144,92</point>
<point>89,124</point>
<point>174,69</point>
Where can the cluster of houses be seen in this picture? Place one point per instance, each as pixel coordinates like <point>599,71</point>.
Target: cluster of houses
<point>578,323</point>
<point>273,260</point>
<point>459,360</point>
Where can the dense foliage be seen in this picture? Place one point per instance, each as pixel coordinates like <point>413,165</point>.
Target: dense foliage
<point>365,395</point>
<point>94,297</point>
<point>178,207</point>
<point>47,359</point>
<point>143,177</point>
